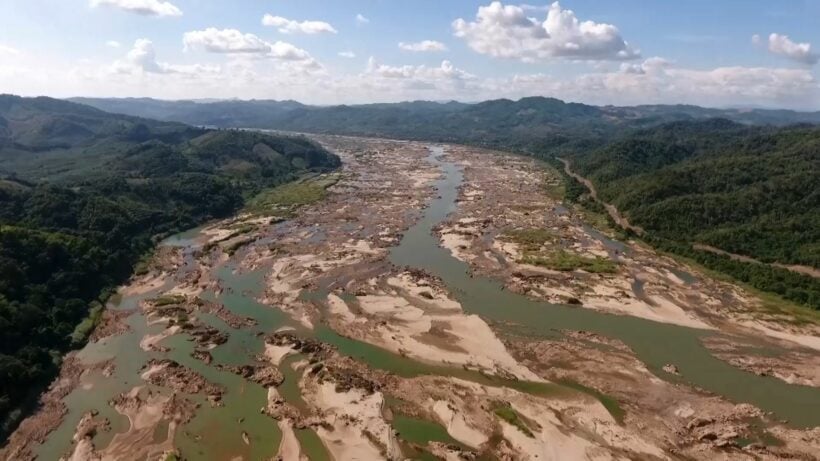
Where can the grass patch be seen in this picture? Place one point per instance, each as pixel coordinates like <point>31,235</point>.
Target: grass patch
<point>84,329</point>
<point>285,199</point>
<point>562,260</point>
<point>554,185</point>
<point>167,300</point>
<point>530,239</point>
<point>233,247</point>
<point>504,411</point>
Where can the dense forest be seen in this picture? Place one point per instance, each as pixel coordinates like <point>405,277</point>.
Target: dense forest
<point>84,195</point>
<point>751,191</point>
<point>528,124</point>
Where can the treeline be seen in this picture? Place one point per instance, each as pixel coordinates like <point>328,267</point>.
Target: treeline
<point>745,190</point>
<point>65,244</point>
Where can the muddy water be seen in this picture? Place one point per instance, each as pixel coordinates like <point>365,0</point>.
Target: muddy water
<point>654,343</point>
<point>215,433</point>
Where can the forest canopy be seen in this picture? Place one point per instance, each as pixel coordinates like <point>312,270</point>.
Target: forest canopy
<point>85,194</point>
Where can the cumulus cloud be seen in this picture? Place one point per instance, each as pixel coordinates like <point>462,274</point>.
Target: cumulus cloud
<point>289,26</point>
<point>224,41</point>
<point>113,44</point>
<point>360,19</point>
<point>347,54</point>
<point>424,45</point>
<point>234,42</point>
<point>143,7</point>
<point>142,59</point>
<point>446,69</point>
<point>782,45</point>
<point>505,31</point>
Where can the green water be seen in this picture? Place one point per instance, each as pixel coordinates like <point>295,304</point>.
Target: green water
<point>128,360</point>
<point>383,359</point>
<point>216,433</point>
<point>421,431</point>
<point>654,343</point>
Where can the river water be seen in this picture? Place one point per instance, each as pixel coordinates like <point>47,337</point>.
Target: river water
<point>215,433</point>
<point>656,344</point>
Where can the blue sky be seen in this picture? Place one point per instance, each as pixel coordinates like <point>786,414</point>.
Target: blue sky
<point>716,53</point>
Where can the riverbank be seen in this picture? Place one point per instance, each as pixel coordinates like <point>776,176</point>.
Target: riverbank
<point>323,333</point>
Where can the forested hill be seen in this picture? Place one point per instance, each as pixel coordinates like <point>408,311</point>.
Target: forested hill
<point>529,123</point>
<point>84,194</point>
<point>751,191</point>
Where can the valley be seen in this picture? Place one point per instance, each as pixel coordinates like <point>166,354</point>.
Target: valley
<point>428,302</point>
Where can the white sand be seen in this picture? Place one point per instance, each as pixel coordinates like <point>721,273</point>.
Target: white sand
<point>456,425</point>
<point>148,342</point>
<point>812,342</point>
<point>473,342</point>
<point>351,414</point>
<point>289,449</point>
<point>276,353</point>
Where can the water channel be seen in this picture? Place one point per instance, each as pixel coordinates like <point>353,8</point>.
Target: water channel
<point>216,433</point>
<point>656,344</point>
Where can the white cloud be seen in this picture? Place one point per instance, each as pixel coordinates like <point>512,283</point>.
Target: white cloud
<point>658,81</point>
<point>782,45</point>
<point>113,44</point>
<point>289,26</point>
<point>224,41</point>
<point>234,42</point>
<point>143,7</point>
<point>424,45</point>
<point>360,19</point>
<point>505,31</point>
<point>142,59</point>
<point>347,54</point>
<point>5,49</point>
<point>446,71</point>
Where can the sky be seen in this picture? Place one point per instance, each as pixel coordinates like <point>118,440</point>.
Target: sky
<point>728,53</point>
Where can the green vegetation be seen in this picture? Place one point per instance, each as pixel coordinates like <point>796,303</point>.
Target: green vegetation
<point>533,241</point>
<point>750,191</point>
<point>84,328</point>
<point>685,174</point>
<point>168,300</point>
<point>285,199</point>
<point>530,239</point>
<point>562,260</point>
<point>506,412</point>
<point>533,124</point>
<point>85,196</point>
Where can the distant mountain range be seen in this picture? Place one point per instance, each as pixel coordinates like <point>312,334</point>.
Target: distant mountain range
<point>527,123</point>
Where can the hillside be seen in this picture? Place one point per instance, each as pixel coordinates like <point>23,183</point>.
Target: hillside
<point>84,194</point>
<point>533,122</point>
<point>747,191</point>
<point>740,180</point>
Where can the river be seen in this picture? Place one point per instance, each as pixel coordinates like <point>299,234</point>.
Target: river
<point>215,433</point>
